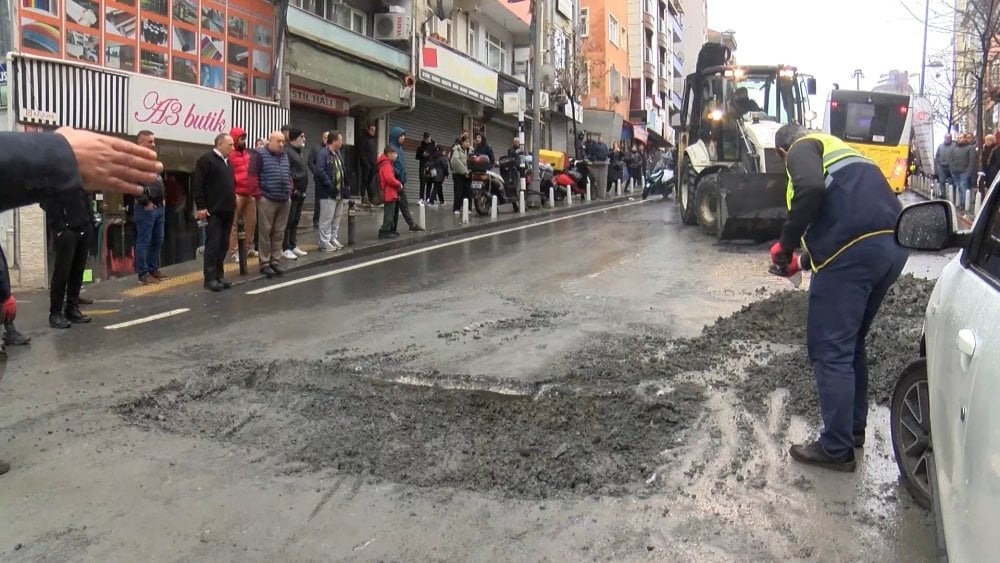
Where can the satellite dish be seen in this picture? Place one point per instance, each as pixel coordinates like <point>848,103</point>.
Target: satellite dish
<point>443,8</point>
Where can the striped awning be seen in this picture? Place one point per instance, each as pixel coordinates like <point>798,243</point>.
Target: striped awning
<point>59,94</point>
<point>258,118</point>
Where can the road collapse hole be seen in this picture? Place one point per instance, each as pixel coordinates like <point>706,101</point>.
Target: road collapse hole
<point>327,417</point>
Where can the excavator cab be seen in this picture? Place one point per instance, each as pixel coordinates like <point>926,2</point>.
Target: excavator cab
<point>730,179</point>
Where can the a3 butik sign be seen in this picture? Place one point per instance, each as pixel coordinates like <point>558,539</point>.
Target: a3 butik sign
<point>176,111</point>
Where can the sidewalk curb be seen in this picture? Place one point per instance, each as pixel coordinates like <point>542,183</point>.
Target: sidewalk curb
<point>407,241</point>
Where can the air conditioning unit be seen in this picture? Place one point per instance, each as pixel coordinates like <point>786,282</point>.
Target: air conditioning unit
<point>392,27</point>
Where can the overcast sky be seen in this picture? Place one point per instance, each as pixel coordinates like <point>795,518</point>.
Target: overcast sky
<point>832,38</point>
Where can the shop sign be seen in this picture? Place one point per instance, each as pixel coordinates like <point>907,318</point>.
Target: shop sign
<point>319,100</point>
<point>458,73</point>
<point>176,111</point>
<point>3,85</point>
<point>639,133</point>
<point>40,116</point>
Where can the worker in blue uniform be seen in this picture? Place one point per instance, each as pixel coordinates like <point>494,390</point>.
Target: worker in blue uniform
<point>842,214</point>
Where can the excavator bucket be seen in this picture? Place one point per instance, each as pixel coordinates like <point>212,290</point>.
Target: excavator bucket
<point>753,206</point>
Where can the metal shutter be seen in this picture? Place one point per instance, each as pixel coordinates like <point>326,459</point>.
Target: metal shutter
<point>442,122</point>
<point>312,123</point>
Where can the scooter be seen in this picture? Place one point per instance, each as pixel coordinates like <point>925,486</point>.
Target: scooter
<point>573,179</point>
<point>661,180</point>
<point>503,184</point>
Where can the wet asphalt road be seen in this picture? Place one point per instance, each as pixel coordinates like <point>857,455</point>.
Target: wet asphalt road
<point>502,313</point>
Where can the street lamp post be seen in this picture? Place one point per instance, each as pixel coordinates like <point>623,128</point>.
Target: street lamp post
<point>923,55</point>
<point>858,75</point>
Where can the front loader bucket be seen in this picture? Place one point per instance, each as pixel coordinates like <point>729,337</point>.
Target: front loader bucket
<point>753,206</point>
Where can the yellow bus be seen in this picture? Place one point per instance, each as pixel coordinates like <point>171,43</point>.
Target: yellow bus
<point>876,124</point>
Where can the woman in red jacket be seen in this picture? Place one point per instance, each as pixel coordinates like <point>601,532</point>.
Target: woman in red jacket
<point>246,196</point>
<point>390,187</point>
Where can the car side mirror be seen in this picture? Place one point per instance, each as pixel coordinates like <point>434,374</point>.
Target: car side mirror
<point>811,86</point>
<point>929,225</point>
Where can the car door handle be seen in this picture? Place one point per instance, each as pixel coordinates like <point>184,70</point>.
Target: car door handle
<point>966,342</point>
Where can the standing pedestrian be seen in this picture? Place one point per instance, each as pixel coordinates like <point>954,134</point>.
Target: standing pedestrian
<point>8,311</point>
<point>270,174</point>
<point>942,162</point>
<point>843,211</point>
<point>214,187</point>
<point>246,194</point>
<point>368,155</point>
<point>961,160</point>
<point>313,161</point>
<point>439,171</point>
<point>990,163</point>
<point>148,216</point>
<point>460,172</point>
<point>425,152</point>
<point>390,187</point>
<point>634,162</point>
<point>71,225</point>
<point>334,192</point>
<point>616,166</point>
<point>515,148</point>
<point>397,136</point>
<point>483,148</point>
<point>300,184</point>
<point>259,144</point>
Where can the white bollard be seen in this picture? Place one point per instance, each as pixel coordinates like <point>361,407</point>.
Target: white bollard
<point>587,195</point>
<point>552,196</point>
<point>523,184</point>
<point>979,202</point>
<point>968,200</point>
<point>465,211</point>
<point>569,196</point>
<point>520,200</point>
<point>493,208</point>
<point>422,216</point>
<point>618,188</point>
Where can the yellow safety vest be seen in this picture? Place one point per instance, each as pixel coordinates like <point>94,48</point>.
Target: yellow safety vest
<point>834,151</point>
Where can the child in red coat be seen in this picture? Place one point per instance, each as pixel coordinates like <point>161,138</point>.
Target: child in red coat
<point>390,187</point>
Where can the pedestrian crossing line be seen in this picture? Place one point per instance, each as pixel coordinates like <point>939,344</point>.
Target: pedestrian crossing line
<point>150,318</point>
<point>384,259</point>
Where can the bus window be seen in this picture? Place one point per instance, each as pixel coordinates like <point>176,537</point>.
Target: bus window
<point>875,124</point>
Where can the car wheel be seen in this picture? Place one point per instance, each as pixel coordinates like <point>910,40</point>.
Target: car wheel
<point>910,425</point>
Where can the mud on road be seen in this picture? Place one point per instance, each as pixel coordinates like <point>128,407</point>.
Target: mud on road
<point>603,424</point>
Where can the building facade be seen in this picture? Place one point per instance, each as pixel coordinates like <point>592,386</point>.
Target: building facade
<point>186,71</point>
<point>656,32</point>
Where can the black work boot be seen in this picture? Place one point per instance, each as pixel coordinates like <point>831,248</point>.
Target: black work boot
<point>74,315</point>
<point>11,337</point>
<point>814,454</point>
<point>57,320</point>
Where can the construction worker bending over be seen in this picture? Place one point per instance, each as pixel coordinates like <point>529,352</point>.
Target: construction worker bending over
<point>843,211</point>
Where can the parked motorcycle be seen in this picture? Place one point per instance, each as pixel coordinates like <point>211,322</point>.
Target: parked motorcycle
<point>504,184</point>
<point>661,180</point>
<point>573,179</point>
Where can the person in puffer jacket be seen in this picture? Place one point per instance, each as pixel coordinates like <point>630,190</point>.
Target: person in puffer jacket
<point>397,136</point>
<point>246,198</point>
<point>390,187</point>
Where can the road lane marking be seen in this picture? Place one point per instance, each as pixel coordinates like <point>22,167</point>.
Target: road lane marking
<point>407,254</point>
<point>150,318</point>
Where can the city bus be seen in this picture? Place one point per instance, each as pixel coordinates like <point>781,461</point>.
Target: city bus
<point>876,124</point>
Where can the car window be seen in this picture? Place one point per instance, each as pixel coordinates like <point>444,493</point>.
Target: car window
<point>988,258</point>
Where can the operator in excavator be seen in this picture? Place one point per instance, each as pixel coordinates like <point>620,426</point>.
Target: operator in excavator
<point>842,213</point>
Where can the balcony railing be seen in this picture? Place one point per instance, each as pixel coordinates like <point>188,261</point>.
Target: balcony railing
<point>315,28</point>
<point>677,28</point>
<point>678,65</point>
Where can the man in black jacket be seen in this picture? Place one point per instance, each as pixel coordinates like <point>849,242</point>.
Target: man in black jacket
<point>313,159</point>
<point>300,184</point>
<point>214,189</point>
<point>425,152</point>
<point>71,225</point>
<point>40,166</point>
<point>368,169</point>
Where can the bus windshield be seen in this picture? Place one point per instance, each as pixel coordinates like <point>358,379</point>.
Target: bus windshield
<point>871,120</point>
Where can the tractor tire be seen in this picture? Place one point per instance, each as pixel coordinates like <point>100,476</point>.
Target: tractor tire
<point>685,196</point>
<point>708,205</point>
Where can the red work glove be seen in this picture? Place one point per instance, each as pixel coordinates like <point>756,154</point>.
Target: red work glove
<point>9,309</point>
<point>779,256</point>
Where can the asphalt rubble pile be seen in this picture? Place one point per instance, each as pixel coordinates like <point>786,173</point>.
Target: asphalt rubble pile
<point>597,426</point>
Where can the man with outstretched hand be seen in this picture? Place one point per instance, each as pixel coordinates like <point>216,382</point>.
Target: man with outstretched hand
<point>842,213</point>
<point>38,166</point>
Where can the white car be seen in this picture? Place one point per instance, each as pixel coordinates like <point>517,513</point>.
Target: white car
<point>953,391</point>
